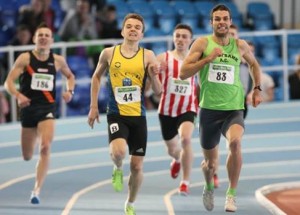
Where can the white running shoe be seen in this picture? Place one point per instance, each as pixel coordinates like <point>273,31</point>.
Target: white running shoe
<point>230,204</point>
<point>208,199</point>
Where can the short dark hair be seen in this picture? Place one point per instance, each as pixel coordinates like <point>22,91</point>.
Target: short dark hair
<point>219,7</point>
<point>233,26</point>
<point>184,26</point>
<point>134,16</point>
<point>42,25</point>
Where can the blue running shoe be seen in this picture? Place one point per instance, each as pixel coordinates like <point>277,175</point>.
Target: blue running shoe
<point>34,199</point>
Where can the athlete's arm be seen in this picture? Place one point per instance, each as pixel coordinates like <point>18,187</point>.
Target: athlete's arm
<point>19,66</point>
<point>62,66</point>
<point>152,67</point>
<point>194,61</point>
<point>254,69</point>
<point>102,65</point>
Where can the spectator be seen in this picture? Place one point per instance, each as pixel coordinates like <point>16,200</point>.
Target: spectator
<point>78,24</point>
<point>32,14</point>
<point>108,23</point>
<point>267,84</point>
<point>294,82</point>
<point>49,15</point>
<point>22,37</point>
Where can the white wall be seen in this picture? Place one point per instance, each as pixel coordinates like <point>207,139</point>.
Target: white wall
<point>275,7</point>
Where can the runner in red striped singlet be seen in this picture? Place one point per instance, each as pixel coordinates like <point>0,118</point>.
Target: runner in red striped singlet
<point>178,106</point>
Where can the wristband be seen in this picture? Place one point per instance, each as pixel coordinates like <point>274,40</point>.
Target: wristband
<point>257,88</point>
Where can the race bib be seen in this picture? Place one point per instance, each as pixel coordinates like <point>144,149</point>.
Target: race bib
<point>180,87</point>
<point>128,94</point>
<point>220,73</point>
<point>43,82</point>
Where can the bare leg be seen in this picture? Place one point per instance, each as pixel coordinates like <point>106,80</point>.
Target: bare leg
<point>234,159</point>
<point>46,133</point>
<point>136,177</point>
<point>185,132</point>
<point>118,149</point>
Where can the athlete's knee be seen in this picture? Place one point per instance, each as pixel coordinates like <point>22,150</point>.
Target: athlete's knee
<point>173,150</point>
<point>185,141</point>
<point>118,154</point>
<point>136,167</point>
<point>45,149</point>
<point>235,145</point>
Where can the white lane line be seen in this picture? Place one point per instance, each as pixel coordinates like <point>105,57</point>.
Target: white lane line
<point>261,193</point>
<point>170,208</point>
<point>152,144</point>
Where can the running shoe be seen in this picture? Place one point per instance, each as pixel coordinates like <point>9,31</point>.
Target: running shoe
<point>208,199</point>
<point>34,198</point>
<point>175,168</point>
<point>216,181</point>
<point>230,204</point>
<point>184,189</point>
<point>117,180</point>
<point>129,210</point>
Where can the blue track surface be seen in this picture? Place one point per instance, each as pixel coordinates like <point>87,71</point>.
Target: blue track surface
<point>78,182</point>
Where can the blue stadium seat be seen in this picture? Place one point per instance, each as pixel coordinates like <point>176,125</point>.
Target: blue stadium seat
<point>236,15</point>
<point>204,8</point>
<point>122,10</point>
<point>186,13</point>
<point>79,105</point>
<point>263,22</point>
<point>293,47</point>
<point>157,47</point>
<point>79,65</point>
<point>146,10</point>
<point>5,35</point>
<point>153,32</point>
<point>270,52</point>
<point>114,1</point>
<point>165,14</point>
<point>19,3</point>
<point>255,8</point>
<point>8,14</point>
<point>260,16</point>
<point>271,42</point>
<point>200,31</point>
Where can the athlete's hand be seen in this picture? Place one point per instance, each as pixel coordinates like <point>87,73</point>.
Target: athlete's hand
<point>154,69</point>
<point>256,98</point>
<point>216,52</point>
<point>22,100</point>
<point>163,66</point>
<point>67,96</point>
<point>92,116</point>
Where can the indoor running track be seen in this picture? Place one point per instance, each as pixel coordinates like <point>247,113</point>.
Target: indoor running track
<point>78,181</point>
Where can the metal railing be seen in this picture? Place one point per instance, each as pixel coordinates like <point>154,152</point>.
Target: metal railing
<point>63,46</point>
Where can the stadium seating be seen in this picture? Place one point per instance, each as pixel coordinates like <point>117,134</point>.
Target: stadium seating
<point>186,13</point>
<point>79,65</point>
<point>165,15</point>
<point>145,9</point>
<point>157,47</point>
<point>260,16</point>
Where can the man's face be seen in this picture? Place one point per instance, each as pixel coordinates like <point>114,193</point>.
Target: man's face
<point>182,39</point>
<point>220,22</point>
<point>233,33</point>
<point>43,38</point>
<point>133,30</point>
